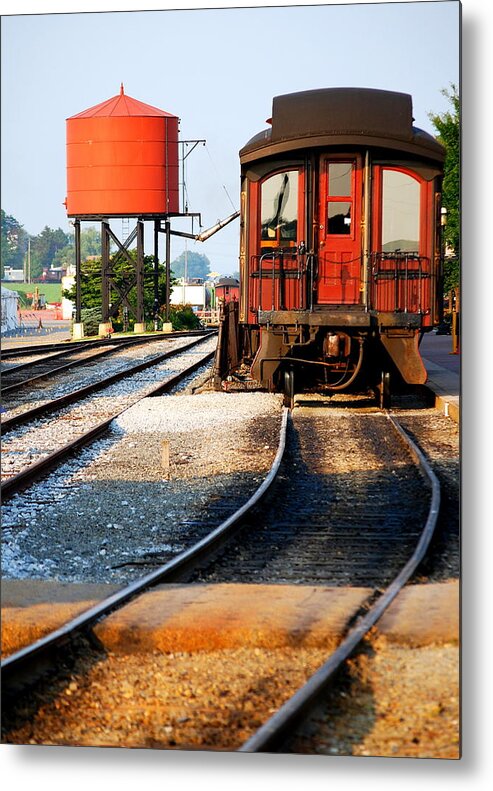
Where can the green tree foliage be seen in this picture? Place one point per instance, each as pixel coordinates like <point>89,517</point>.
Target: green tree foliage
<point>195,264</point>
<point>90,285</point>
<point>90,245</point>
<point>44,248</point>
<point>448,129</point>
<point>14,242</point>
<point>65,256</point>
<point>124,277</point>
<point>182,317</point>
<point>90,242</point>
<point>91,319</point>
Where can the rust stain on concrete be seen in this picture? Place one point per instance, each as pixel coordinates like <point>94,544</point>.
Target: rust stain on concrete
<point>173,618</point>
<point>423,615</point>
<point>209,617</point>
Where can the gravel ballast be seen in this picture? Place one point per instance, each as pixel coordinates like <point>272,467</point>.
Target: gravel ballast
<point>107,515</point>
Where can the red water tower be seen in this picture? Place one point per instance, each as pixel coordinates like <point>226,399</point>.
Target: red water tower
<point>122,160</point>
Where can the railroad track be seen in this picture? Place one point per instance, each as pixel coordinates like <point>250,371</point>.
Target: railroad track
<point>272,735</point>
<point>345,512</point>
<point>21,408</point>
<point>43,365</point>
<point>66,347</point>
<point>195,563</point>
<point>49,349</point>
<point>34,449</point>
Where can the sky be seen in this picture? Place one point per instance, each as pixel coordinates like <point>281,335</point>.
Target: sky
<point>218,70</point>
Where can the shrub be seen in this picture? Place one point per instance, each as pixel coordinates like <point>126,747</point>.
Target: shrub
<point>91,319</point>
<point>183,318</point>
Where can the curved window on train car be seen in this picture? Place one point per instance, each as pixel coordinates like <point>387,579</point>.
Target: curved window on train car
<point>400,212</point>
<point>279,210</point>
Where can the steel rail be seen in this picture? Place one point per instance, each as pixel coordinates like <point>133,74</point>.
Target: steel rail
<point>69,345</point>
<point>51,350</point>
<point>66,347</point>
<point>27,476</point>
<point>73,348</point>
<point>114,348</point>
<point>13,388</point>
<point>28,661</point>
<point>276,730</point>
<point>10,423</point>
<point>14,369</point>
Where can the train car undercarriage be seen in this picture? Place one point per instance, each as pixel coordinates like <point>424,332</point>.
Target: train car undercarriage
<point>312,353</point>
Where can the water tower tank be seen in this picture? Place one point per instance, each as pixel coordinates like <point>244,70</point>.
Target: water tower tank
<point>122,160</point>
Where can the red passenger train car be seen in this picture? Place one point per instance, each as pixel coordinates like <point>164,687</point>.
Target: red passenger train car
<point>340,243</point>
<point>227,289</point>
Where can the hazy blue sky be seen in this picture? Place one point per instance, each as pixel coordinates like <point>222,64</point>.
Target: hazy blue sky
<point>217,70</point>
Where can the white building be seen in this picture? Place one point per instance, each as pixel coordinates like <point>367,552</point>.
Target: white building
<point>12,275</point>
<point>67,305</point>
<point>198,295</point>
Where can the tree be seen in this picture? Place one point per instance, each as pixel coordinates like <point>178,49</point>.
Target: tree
<point>14,243</point>
<point>448,128</point>
<point>44,247</point>
<point>90,245</point>
<point>90,242</point>
<point>65,256</point>
<point>196,265</point>
<point>123,276</point>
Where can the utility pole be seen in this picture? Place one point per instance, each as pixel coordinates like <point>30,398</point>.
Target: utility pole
<point>27,273</point>
<point>185,273</point>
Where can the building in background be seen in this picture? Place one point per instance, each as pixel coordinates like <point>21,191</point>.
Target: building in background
<point>12,275</point>
<point>195,292</point>
<point>68,280</point>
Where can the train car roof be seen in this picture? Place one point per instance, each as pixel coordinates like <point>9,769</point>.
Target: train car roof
<point>342,116</point>
<point>228,281</point>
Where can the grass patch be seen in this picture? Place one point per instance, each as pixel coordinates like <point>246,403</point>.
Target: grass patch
<point>52,291</point>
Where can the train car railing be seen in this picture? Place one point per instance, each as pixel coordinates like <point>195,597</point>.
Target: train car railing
<point>210,318</point>
<point>278,280</point>
<point>400,282</point>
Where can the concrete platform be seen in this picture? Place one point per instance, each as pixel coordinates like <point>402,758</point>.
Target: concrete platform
<point>192,618</point>
<point>443,369</point>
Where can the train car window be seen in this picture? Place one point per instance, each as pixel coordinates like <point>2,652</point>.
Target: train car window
<point>279,209</point>
<point>339,198</point>
<point>400,212</point>
<point>339,218</point>
<point>340,179</point>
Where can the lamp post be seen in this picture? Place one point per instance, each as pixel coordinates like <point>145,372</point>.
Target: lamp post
<point>443,225</point>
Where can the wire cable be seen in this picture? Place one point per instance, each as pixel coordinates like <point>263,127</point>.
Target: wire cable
<point>235,208</point>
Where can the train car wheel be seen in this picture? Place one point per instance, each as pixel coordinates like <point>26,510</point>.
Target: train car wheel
<point>289,388</point>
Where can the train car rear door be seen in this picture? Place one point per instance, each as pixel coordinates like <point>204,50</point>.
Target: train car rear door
<point>339,260</point>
